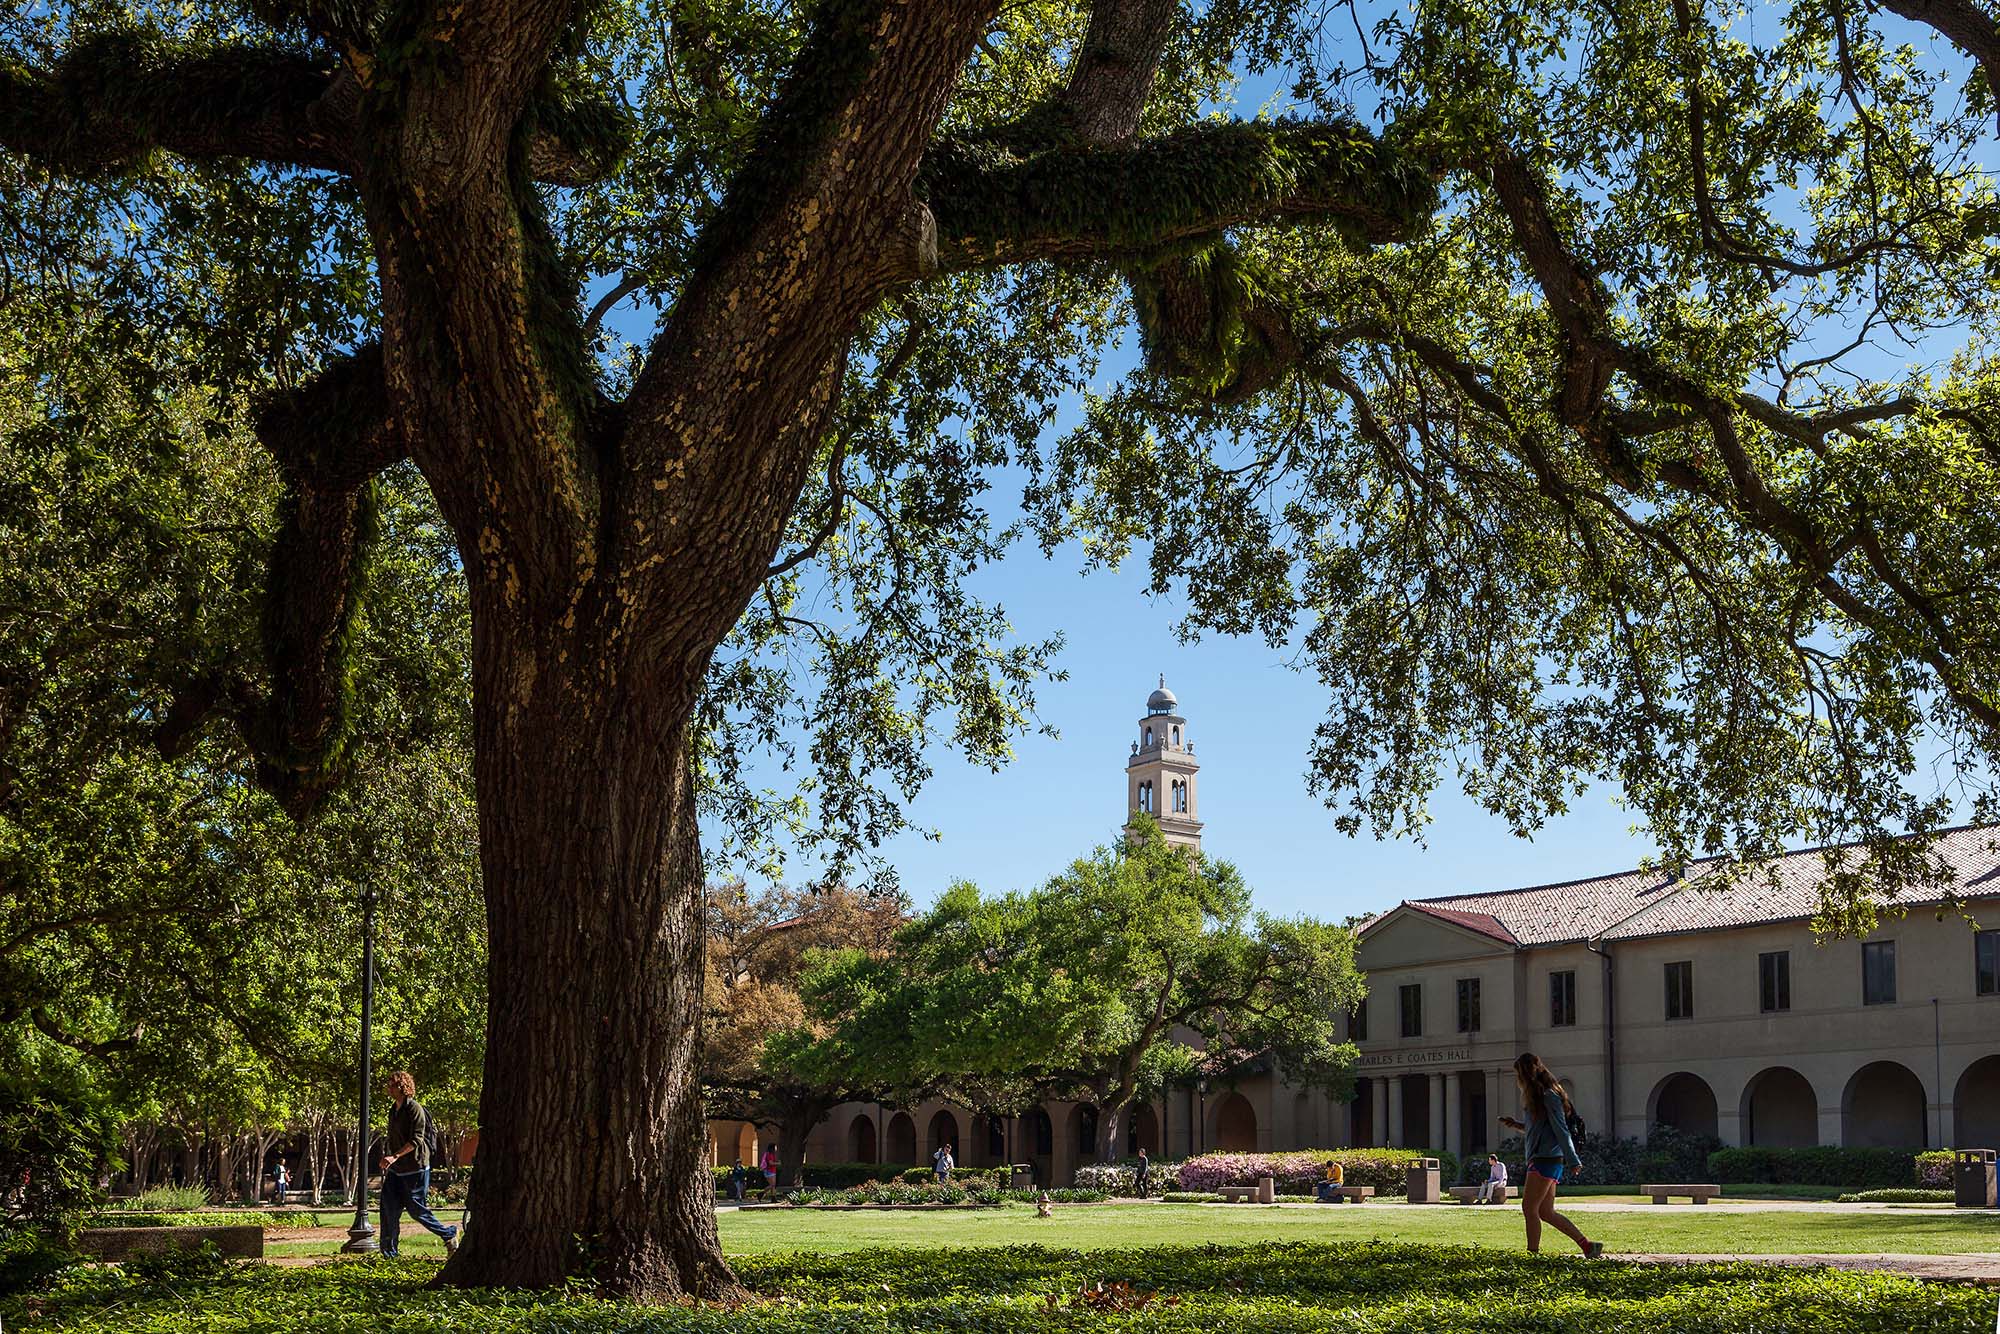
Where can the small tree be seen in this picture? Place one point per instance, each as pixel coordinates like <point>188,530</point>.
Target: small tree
<point>1089,984</point>
<point>765,1059</point>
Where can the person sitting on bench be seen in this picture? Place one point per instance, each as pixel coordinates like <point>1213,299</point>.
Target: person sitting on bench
<point>1331,1183</point>
<point>1496,1180</point>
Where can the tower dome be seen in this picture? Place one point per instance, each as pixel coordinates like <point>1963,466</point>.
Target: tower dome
<point>1162,700</point>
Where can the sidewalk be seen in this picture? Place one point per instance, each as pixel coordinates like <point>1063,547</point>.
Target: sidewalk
<point>1980,1269</point>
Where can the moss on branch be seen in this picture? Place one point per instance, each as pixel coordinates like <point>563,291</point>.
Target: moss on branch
<point>1034,191</point>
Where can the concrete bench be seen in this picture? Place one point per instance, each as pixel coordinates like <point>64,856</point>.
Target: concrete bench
<point>1695,1194</point>
<point>1264,1192</point>
<point>1470,1194</point>
<point>1349,1194</point>
<point>243,1241</point>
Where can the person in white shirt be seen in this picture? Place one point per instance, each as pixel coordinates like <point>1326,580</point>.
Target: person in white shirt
<point>1496,1181</point>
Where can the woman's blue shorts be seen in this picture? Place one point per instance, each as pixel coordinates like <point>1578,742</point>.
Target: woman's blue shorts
<point>1552,1168</point>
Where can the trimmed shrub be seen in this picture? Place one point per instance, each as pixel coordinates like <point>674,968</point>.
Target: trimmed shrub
<point>1123,1179</point>
<point>163,1200</point>
<point>1191,1197</point>
<point>1296,1173</point>
<point>1855,1169</point>
<point>1903,1195</point>
<point>833,1176</point>
<point>1934,1169</point>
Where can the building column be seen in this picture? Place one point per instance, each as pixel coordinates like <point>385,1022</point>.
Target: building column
<point>1395,1140</point>
<point>1729,1126</point>
<point>1830,1124</point>
<point>1380,1088</point>
<point>1454,1109</point>
<point>1498,1104</point>
<point>1435,1126</point>
<point>1941,1127</point>
<point>1343,1125</point>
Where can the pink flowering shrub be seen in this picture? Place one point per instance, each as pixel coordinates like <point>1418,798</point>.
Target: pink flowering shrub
<point>1297,1172</point>
<point>1934,1169</point>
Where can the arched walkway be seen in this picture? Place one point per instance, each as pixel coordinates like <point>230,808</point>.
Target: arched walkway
<point>1883,1108</point>
<point>900,1145</point>
<point>1780,1110</point>
<point>1236,1125</point>
<point>862,1146</point>
<point>1040,1136</point>
<point>746,1144</point>
<point>1081,1132</point>
<point>1144,1130</point>
<point>943,1134</point>
<point>1685,1102</point>
<point>1976,1106</point>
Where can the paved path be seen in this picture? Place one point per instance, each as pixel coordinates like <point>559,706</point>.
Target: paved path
<point>1981,1269</point>
<point>1635,1204</point>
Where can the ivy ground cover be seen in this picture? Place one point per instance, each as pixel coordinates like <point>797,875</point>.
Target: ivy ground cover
<point>1384,1289</point>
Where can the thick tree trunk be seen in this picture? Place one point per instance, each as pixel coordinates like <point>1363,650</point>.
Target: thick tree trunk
<point>591,1137</point>
<point>1110,1128</point>
<point>801,1119</point>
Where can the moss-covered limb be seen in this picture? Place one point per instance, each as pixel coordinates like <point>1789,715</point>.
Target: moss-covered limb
<point>336,429</point>
<point>346,22</point>
<point>1208,322</point>
<point>997,204</point>
<point>113,98</point>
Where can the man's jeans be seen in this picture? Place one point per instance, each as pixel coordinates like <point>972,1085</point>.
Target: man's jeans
<point>407,1193</point>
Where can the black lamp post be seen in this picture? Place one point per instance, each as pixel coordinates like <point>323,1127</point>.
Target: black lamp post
<point>361,1237</point>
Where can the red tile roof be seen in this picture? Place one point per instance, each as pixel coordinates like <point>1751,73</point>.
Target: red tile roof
<point>1628,905</point>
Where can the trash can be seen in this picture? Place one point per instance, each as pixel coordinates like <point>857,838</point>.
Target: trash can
<point>1023,1178</point>
<point>1422,1182</point>
<point>1974,1177</point>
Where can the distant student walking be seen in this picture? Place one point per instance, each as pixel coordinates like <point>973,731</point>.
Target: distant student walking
<point>1550,1153</point>
<point>737,1174</point>
<point>1142,1174</point>
<point>281,1180</point>
<point>942,1163</point>
<point>406,1169</point>
<point>769,1163</point>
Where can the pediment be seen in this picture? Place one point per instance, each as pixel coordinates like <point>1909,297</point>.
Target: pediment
<point>1407,936</point>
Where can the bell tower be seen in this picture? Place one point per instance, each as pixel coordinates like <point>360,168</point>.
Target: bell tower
<point>1160,776</point>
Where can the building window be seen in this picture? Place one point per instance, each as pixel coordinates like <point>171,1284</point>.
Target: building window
<point>1412,999</point>
<point>1986,962</point>
<point>1177,738</point>
<point>1562,999</point>
<point>1680,990</point>
<point>1359,1023</point>
<point>1774,981</point>
<point>1878,972</point>
<point>1180,796</point>
<point>1468,1005</point>
<point>1146,797</point>
<point>1149,738</point>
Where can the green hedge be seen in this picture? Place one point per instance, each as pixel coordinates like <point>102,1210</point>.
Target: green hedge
<point>834,1176</point>
<point>1297,1287</point>
<point>1902,1195</point>
<point>1854,1169</point>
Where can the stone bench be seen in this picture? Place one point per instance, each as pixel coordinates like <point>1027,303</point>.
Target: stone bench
<point>243,1241</point>
<point>1470,1194</point>
<point>1349,1194</point>
<point>1695,1194</point>
<point>1264,1192</point>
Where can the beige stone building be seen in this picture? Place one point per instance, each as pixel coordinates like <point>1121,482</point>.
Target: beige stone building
<point>1690,1003</point>
<point>1684,1002</point>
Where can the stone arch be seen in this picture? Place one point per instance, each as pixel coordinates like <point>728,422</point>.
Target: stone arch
<point>900,1144</point>
<point>1883,1108</point>
<point>1143,1130</point>
<point>1038,1135</point>
<point>1780,1110</point>
<point>1685,1102</point>
<point>943,1134</point>
<point>1080,1130</point>
<point>1236,1125</point>
<point>862,1144</point>
<point>1976,1106</point>
<point>746,1144</point>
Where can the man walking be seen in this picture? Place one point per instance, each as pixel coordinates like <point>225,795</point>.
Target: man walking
<point>1142,1174</point>
<point>406,1169</point>
<point>281,1180</point>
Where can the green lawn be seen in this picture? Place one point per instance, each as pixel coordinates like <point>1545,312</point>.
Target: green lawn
<point>1298,1288</point>
<point>1643,1228</point>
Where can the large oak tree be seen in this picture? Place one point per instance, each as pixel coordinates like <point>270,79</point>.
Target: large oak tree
<point>1546,422</point>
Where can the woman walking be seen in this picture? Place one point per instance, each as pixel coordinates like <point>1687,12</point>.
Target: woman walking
<point>1550,1152</point>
